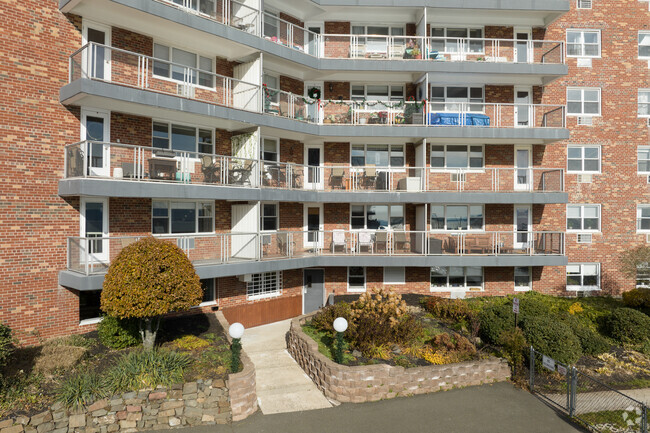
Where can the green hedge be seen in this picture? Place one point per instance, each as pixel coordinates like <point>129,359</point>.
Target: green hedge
<point>119,334</point>
<point>552,338</point>
<point>495,320</point>
<point>629,326</point>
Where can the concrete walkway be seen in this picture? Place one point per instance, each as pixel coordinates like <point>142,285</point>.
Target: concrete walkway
<point>282,386</point>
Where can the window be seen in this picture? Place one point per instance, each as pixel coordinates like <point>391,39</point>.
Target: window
<point>583,102</point>
<point>644,102</point>
<point>584,4</point>
<point>209,295</point>
<point>583,276</point>
<point>377,217</point>
<point>457,217</point>
<point>583,217</point>
<point>643,159</point>
<point>456,156</point>
<point>182,138</point>
<point>446,40</point>
<point>377,44</point>
<point>89,305</point>
<point>206,7</point>
<point>454,277</point>
<point>372,93</point>
<point>182,217</point>
<point>356,279</point>
<point>394,275</point>
<point>270,149</point>
<point>643,217</point>
<point>269,217</point>
<point>380,155</point>
<point>186,67</point>
<point>643,276</point>
<point>264,285</point>
<point>271,98</point>
<point>271,24</point>
<point>583,43</point>
<point>455,98</point>
<point>644,45</point>
<point>523,278</point>
<point>583,159</point>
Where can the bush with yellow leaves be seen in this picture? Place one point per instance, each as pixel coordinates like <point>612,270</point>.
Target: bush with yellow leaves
<point>576,308</point>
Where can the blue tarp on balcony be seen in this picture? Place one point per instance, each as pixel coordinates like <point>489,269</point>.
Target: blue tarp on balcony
<point>475,119</point>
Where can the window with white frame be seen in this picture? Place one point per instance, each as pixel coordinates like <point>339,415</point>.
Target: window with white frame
<point>186,66</point>
<point>584,4</point>
<point>454,217</point>
<point>643,217</point>
<point>209,292</point>
<point>644,102</point>
<point>377,217</point>
<point>269,217</point>
<point>182,217</point>
<point>394,275</point>
<point>454,156</point>
<point>451,39</point>
<point>264,285</point>
<point>89,306</point>
<point>583,43</point>
<point>457,98</point>
<point>206,7</point>
<point>272,97</point>
<point>182,138</point>
<point>377,29</point>
<point>379,155</point>
<point>456,277</point>
<point>583,276</point>
<point>270,149</point>
<point>643,159</point>
<point>523,278</point>
<point>583,217</point>
<point>356,279</point>
<point>644,45</point>
<point>271,24</point>
<point>643,276</point>
<point>583,101</point>
<point>583,159</point>
<point>376,92</point>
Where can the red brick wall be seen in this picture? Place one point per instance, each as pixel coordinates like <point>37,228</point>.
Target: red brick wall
<point>130,129</point>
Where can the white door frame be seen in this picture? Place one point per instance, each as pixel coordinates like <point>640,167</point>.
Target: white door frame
<point>516,243</point>
<point>105,169</point>
<point>528,89</point>
<point>321,224</point>
<point>319,173</point>
<point>319,113</point>
<point>321,25</point>
<point>86,59</point>
<point>87,256</point>
<point>527,186</point>
<point>529,46</point>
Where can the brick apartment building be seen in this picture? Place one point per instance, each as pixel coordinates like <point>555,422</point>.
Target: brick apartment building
<point>300,148</point>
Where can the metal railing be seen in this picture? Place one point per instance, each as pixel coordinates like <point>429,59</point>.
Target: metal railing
<point>92,255</point>
<point>93,159</point>
<point>600,407</point>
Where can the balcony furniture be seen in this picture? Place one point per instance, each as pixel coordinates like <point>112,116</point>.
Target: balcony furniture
<point>401,238</point>
<point>480,245</point>
<point>183,176</point>
<point>161,168</point>
<point>459,119</point>
<point>338,240</point>
<point>209,168</point>
<point>370,176</point>
<point>381,238</point>
<point>358,50</point>
<point>285,245</point>
<point>336,178</point>
<point>409,184</point>
<point>239,174</point>
<point>75,162</point>
<point>435,246</point>
<point>397,51</point>
<point>414,119</point>
<point>365,240</point>
<point>451,245</point>
<point>432,55</point>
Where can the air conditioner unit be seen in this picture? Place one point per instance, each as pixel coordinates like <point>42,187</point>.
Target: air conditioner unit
<point>648,119</point>
<point>585,178</point>
<point>647,238</point>
<point>458,177</point>
<point>585,120</point>
<point>246,278</point>
<point>648,178</point>
<point>584,238</point>
<point>185,90</point>
<point>584,4</point>
<point>584,62</point>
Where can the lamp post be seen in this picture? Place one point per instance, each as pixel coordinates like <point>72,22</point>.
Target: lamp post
<point>236,331</point>
<point>340,325</point>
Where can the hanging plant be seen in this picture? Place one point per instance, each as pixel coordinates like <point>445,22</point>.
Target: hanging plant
<point>314,93</point>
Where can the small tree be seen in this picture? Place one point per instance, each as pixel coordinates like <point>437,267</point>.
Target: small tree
<point>635,263</point>
<point>148,279</point>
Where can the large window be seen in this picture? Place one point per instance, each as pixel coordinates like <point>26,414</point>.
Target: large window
<point>456,156</point>
<point>583,217</point>
<point>271,23</point>
<point>644,45</point>
<point>185,68</point>
<point>456,277</point>
<point>583,276</point>
<point>377,217</point>
<point>209,292</point>
<point>643,218</point>
<point>457,217</point>
<point>380,155</point>
<point>583,43</point>
<point>643,276</point>
<point>372,93</point>
<point>269,217</point>
<point>455,98</point>
<point>644,102</point>
<point>182,138</point>
<point>523,278</point>
<point>89,306</point>
<point>264,285</point>
<point>583,101</point>
<point>356,279</point>
<point>448,39</point>
<point>583,159</point>
<point>643,159</point>
<point>206,7</point>
<point>178,217</point>
<point>270,149</point>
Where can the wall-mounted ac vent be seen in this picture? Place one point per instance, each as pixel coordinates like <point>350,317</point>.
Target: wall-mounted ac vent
<point>584,4</point>
<point>585,178</point>
<point>585,120</point>
<point>584,238</point>
<point>246,278</point>
<point>458,177</point>
<point>185,90</point>
<point>584,62</point>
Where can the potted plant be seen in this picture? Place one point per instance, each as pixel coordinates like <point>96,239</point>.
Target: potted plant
<point>417,54</point>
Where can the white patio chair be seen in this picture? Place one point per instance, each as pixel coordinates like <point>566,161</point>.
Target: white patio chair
<point>365,240</point>
<point>338,239</point>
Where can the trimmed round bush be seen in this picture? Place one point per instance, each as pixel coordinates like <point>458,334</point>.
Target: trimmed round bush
<point>118,333</point>
<point>637,298</point>
<point>628,326</point>
<point>6,344</point>
<point>495,320</point>
<point>552,338</point>
<point>531,305</point>
<point>592,343</point>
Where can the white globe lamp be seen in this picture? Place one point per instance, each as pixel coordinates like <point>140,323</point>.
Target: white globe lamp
<point>340,324</point>
<point>236,330</point>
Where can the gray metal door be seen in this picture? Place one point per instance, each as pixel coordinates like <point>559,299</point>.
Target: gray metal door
<point>314,293</point>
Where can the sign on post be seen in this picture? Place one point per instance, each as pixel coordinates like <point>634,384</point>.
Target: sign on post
<point>561,369</point>
<point>548,362</point>
<point>515,305</point>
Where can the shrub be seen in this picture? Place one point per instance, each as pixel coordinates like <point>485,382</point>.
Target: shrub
<point>592,343</point>
<point>6,344</point>
<point>514,346</point>
<point>191,342</point>
<point>495,319</point>
<point>454,310</point>
<point>117,333</point>
<point>628,326</point>
<point>533,304</point>
<point>637,298</point>
<point>324,319</point>
<point>552,338</point>
<point>576,308</point>
<point>81,389</point>
<point>147,369</point>
<point>455,343</point>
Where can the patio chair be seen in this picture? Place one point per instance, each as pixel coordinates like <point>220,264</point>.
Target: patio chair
<point>401,238</point>
<point>480,245</point>
<point>370,175</point>
<point>338,240</point>
<point>381,238</point>
<point>209,168</point>
<point>365,240</point>
<point>336,178</point>
<point>285,244</point>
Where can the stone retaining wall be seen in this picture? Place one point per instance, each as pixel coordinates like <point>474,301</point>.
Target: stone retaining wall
<point>364,383</point>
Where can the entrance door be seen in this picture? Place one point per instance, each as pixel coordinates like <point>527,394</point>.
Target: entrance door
<point>94,227</point>
<point>314,45</point>
<point>314,167</point>
<point>523,225</point>
<point>95,130</point>
<point>523,171</point>
<point>313,225</point>
<point>313,297</point>
<point>314,113</point>
<point>523,47</point>
<point>523,111</point>
<point>96,59</point>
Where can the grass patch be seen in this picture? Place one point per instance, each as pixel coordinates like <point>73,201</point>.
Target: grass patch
<point>617,419</point>
<point>326,343</point>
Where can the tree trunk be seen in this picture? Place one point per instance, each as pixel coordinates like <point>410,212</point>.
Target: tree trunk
<point>148,331</point>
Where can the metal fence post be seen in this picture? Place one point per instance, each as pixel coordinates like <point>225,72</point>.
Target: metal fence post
<point>644,419</point>
<point>532,369</point>
<point>574,388</point>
